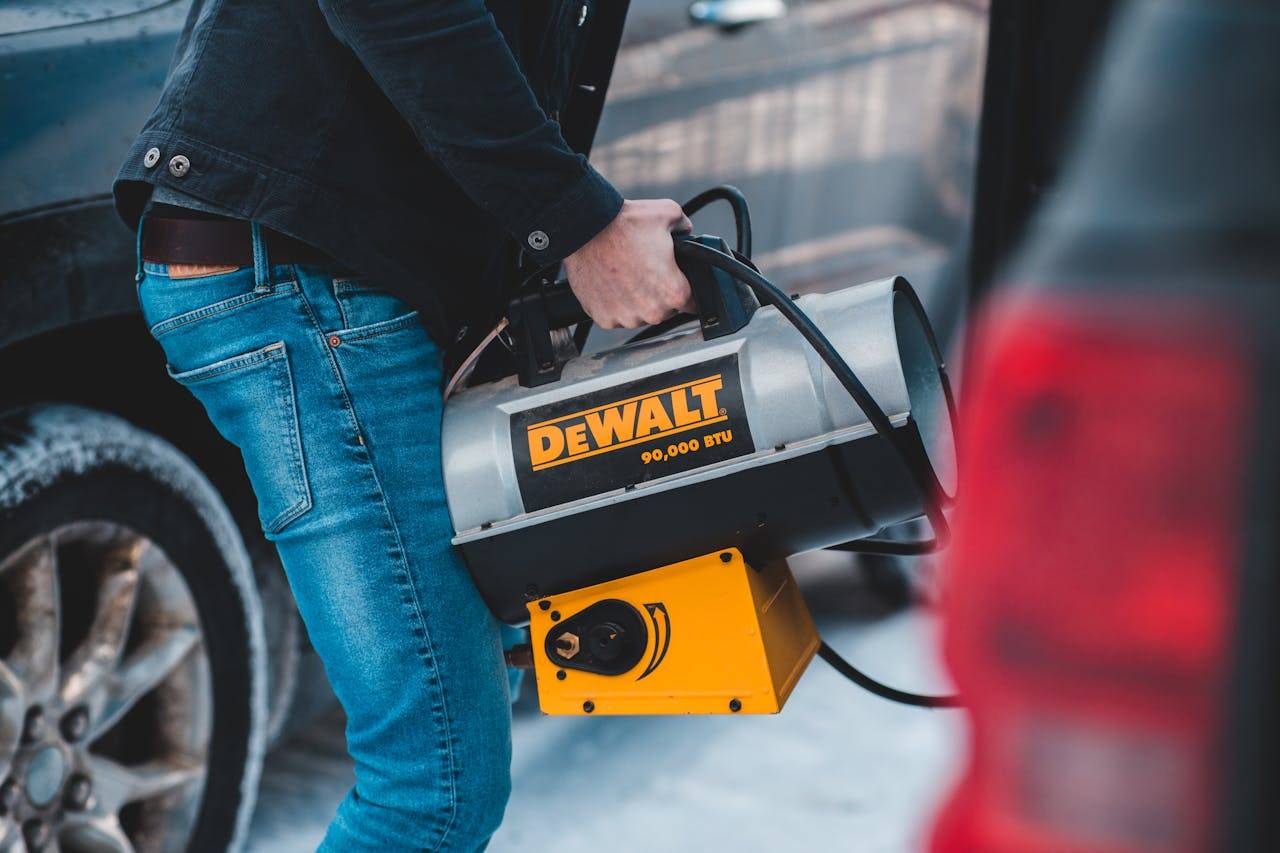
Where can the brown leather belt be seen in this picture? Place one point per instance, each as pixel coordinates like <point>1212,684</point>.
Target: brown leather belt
<point>219,242</point>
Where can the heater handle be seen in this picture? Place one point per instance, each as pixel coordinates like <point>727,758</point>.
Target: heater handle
<point>724,305</point>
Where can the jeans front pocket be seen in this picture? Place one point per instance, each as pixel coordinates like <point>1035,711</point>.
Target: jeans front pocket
<point>250,399</point>
<point>363,304</point>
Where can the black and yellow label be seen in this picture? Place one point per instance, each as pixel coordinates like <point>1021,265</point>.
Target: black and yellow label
<point>630,433</point>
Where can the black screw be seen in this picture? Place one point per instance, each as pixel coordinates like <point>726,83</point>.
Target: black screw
<point>33,726</point>
<point>588,706</point>
<point>555,615</point>
<point>8,795</point>
<point>726,557</point>
<point>544,605</point>
<point>75,724</point>
<point>78,791</point>
<point>560,675</point>
<point>735,706</point>
<point>36,833</point>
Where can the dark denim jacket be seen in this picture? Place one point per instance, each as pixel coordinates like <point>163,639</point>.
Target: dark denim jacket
<point>409,139</point>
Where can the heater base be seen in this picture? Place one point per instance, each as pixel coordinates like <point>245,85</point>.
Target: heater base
<point>710,635</point>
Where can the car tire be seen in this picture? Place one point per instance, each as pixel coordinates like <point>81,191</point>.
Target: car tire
<point>133,701</point>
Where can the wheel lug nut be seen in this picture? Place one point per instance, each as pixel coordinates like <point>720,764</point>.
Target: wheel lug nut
<point>33,726</point>
<point>36,833</point>
<point>75,724</point>
<point>78,791</point>
<point>8,796</point>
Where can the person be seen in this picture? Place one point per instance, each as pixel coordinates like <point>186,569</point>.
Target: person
<point>325,195</point>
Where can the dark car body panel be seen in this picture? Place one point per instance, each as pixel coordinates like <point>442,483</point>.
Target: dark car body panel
<point>76,81</point>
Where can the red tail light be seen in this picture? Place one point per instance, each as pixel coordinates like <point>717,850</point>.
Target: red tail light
<point>1092,582</point>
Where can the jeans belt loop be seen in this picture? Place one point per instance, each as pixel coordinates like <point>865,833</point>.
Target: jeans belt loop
<point>261,264</point>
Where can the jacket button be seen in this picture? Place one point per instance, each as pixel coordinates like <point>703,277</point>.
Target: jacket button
<point>179,166</point>
<point>151,158</point>
<point>539,240</point>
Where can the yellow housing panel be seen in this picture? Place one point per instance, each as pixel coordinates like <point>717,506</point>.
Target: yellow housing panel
<point>726,638</point>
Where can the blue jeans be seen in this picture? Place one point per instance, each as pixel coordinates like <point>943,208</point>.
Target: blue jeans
<point>330,388</point>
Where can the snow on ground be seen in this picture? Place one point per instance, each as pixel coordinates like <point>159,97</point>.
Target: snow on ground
<point>838,769</point>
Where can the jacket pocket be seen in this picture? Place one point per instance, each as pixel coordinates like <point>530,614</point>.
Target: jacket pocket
<point>250,400</point>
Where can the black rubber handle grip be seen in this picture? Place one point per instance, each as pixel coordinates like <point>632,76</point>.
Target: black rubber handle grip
<point>718,297</point>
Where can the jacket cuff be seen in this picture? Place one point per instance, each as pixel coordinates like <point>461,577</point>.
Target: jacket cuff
<point>588,205</point>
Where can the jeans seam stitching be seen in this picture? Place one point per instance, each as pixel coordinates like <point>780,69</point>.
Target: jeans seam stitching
<point>374,330</point>
<point>427,654</point>
<point>164,327</point>
<point>231,365</point>
<point>298,470</point>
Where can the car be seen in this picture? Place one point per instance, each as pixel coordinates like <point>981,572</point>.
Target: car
<point>1113,575</point>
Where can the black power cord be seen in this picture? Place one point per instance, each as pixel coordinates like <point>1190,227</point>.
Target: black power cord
<point>741,268</point>
<point>884,691</point>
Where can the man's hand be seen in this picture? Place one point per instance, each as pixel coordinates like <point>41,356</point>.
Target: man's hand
<point>627,277</point>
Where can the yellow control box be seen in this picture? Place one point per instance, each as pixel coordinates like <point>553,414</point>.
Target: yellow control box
<point>710,635</point>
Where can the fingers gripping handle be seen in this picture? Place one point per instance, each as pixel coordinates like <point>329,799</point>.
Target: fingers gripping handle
<point>724,305</point>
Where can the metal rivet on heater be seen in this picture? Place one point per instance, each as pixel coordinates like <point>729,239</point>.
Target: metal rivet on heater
<point>561,674</point>
<point>555,615</point>
<point>725,556</point>
<point>544,604</point>
<point>588,706</point>
<point>735,705</point>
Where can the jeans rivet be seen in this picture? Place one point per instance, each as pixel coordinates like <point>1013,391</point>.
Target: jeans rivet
<point>334,340</point>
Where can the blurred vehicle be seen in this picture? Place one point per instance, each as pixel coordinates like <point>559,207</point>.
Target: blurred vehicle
<point>1113,584</point>
<point>149,649</point>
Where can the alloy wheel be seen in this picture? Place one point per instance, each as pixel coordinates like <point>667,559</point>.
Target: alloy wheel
<point>106,704</point>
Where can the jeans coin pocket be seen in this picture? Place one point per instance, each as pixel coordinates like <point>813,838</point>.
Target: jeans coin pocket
<point>250,400</point>
<point>362,304</point>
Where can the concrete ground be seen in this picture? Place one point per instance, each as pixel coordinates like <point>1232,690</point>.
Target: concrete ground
<point>839,769</point>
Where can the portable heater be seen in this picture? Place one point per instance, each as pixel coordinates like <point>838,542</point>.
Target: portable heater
<point>636,506</point>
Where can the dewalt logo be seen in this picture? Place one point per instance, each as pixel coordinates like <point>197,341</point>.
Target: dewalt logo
<point>623,423</point>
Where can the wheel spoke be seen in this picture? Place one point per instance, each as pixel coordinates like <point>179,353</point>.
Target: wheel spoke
<point>12,705</point>
<point>93,663</point>
<point>97,833</point>
<point>10,836</point>
<point>141,671</point>
<point>115,785</point>
<point>34,659</point>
